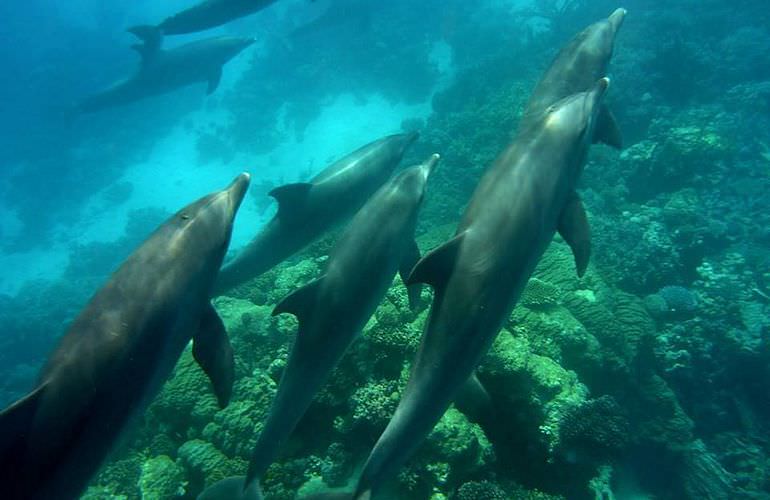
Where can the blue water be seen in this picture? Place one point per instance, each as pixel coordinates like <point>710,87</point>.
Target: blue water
<point>78,192</point>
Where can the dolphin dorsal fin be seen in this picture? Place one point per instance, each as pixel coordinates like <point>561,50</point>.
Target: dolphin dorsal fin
<point>152,39</point>
<point>574,228</point>
<point>436,266</point>
<point>607,130</point>
<point>213,352</point>
<point>14,425</point>
<point>214,78</point>
<point>300,302</point>
<point>291,199</point>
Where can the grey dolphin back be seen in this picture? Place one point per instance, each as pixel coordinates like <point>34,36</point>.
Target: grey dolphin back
<point>307,210</point>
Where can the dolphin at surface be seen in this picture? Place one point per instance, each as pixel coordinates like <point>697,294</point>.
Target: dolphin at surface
<point>306,210</point>
<point>209,14</point>
<point>578,65</point>
<point>162,71</point>
<point>120,350</point>
<point>521,201</point>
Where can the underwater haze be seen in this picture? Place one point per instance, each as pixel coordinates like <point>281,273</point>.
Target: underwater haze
<point>648,377</point>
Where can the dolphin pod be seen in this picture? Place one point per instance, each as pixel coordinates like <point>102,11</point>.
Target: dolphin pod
<point>124,344</point>
<point>120,350</point>
<point>333,309</point>
<point>209,14</point>
<point>306,210</point>
<point>162,71</point>
<point>526,196</point>
<point>576,67</point>
<point>479,274</point>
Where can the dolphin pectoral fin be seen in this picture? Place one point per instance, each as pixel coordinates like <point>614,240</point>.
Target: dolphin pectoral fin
<point>410,258</point>
<point>14,428</point>
<point>436,266</point>
<point>213,352</point>
<point>291,199</point>
<point>607,130</point>
<point>473,400</point>
<point>574,228</point>
<point>214,80</point>
<point>300,302</point>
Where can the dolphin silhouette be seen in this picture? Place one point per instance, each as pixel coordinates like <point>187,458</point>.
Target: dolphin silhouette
<point>306,210</point>
<point>333,309</point>
<point>120,350</point>
<point>209,14</point>
<point>577,66</point>
<point>162,71</point>
<point>521,201</point>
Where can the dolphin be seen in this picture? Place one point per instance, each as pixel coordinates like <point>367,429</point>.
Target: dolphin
<point>209,14</point>
<point>120,350</point>
<point>579,64</point>
<point>232,488</point>
<point>521,201</point>
<point>162,71</point>
<point>306,210</point>
<point>334,308</point>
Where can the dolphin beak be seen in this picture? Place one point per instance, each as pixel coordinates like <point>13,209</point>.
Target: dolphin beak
<point>616,18</point>
<point>598,90</point>
<point>237,190</point>
<point>431,163</point>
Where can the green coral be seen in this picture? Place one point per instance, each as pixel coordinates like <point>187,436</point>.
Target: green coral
<point>186,402</point>
<point>480,490</point>
<point>161,478</point>
<point>205,464</point>
<point>119,477</point>
<point>455,447</point>
<point>539,294</point>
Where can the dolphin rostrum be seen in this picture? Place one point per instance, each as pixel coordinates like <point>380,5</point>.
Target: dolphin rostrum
<point>162,71</point>
<point>521,201</point>
<point>306,210</point>
<point>575,69</point>
<point>120,350</point>
<point>209,14</point>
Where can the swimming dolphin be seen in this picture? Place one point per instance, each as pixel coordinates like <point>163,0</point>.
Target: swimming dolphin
<point>306,210</point>
<point>521,201</point>
<point>120,350</point>
<point>231,488</point>
<point>162,71</point>
<point>575,69</point>
<point>334,308</point>
<point>209,14</point>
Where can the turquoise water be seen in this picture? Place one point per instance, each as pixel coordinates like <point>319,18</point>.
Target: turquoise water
<point>666,338</point>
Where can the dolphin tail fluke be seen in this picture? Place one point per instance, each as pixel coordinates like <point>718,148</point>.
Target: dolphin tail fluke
<point>574,228</point>
<point>410,259</point>
<point>213,352</point>
<point>151,37</point>
<point>436,266</point>
<point>607,130</point>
